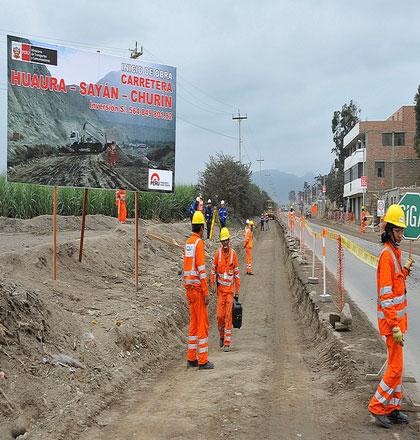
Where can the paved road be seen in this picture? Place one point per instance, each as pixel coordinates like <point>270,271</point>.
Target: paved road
<point>360,282</point>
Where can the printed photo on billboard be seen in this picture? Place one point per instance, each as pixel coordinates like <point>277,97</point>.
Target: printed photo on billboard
<point>83,119</point>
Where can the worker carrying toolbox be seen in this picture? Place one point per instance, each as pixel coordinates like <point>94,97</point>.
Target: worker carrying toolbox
<point>226,278</point>
<point>195,283</point>
<point>385,405</point>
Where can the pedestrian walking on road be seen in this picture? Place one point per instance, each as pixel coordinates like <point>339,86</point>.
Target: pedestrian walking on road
<point>195,283</point>
<point>248,246</point>
<point>225,277</point>
<point>262,221</point>
<point>209,217</point>
<point>392,319</point>
<point>223,213</point>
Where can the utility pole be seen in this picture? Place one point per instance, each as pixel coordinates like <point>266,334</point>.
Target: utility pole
<point>393,160</point>
<point>258,160</point>
<point>239,118</point>
<point>136,53</point>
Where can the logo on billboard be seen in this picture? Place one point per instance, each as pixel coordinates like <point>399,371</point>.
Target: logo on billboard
<point>33,54</point>
<point>160,179</point>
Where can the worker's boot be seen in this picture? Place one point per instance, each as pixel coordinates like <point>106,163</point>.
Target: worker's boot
<point>221,342</point>
<point>207,366</point>
<point>398,417</point>
<point>382,420</point>
<point>192,363</point>
<point>226,348</point>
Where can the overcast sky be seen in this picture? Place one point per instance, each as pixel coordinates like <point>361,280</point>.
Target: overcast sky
<point>286,64</point>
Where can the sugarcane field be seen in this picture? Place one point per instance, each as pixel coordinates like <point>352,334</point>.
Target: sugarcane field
<point>209,221</point>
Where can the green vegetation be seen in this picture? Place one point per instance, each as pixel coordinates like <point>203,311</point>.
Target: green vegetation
<point>224,178</point>
<point>20,200</point>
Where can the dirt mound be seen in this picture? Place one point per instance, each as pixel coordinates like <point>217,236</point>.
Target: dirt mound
<point>43,224</point>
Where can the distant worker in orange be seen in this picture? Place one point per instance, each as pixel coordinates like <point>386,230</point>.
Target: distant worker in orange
<point>385,405</point>
<point>248,245</point>
<point>226,278</point>
<point>112,154</point>
<point>195,283</point>
<point>120,201</point>
<point>363,220</point>
<point>292,219</point>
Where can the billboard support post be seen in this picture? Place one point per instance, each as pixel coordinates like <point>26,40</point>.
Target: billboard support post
<point>54,233</point>
<point>136,209</point>
<point>82,231</point>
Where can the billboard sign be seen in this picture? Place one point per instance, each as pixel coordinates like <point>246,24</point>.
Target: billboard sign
<point>364,182</point>
<point>83,119</point>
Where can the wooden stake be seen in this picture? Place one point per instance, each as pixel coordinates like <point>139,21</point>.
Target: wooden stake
<point>54,233</point>
<point>82,232</point>
<point>136,208</point>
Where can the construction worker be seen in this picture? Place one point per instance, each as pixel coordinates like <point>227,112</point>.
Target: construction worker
<point>112,154</point>
<point>226,278</point>
<point>209,216</point>
<point>262,221</point>
<point>292,219</point>
<point>193,207</point>
<point>120,201</point>
<point>363,221</point>
<point>248,246</point>
<point>267,226</point>
<point>195,283</point>
<point>200,206</point>
<point>223,213</point>
<point>385,405</point>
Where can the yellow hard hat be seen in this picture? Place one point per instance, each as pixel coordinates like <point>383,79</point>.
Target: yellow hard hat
<point>224,234</point>
<point>198,218</point>
<point>251,222</point>
<point>363,207</point>
<point>395,216</point>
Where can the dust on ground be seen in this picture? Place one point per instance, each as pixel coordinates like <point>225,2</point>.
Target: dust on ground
<point>88,357</point>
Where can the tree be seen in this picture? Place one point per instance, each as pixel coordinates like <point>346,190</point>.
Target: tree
<point>342,122</point>
<point>417,110</point>
<point>224,178</point>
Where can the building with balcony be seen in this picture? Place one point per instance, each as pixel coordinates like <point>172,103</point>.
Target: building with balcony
<point>383,151</point>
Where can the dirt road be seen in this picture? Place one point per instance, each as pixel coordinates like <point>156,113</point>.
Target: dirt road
<point>264,388</point>
<point>84,170</point>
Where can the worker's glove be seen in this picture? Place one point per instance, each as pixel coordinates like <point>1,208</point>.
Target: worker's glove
<point>398,335</point>
<point>206,300</point>
<point>409,263</point>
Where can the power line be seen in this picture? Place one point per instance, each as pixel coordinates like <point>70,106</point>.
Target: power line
<point>239,118</point>
<point>204,128</point>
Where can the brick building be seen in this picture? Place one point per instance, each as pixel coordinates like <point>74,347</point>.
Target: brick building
<point>384,152</point>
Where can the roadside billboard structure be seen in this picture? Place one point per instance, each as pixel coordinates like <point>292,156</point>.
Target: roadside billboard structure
<point>89,120</point>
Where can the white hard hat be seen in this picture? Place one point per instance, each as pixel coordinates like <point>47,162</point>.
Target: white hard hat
<point>222,202</point>
<point>197,199</point>
<point>209,201</point>
<point>247,221</point>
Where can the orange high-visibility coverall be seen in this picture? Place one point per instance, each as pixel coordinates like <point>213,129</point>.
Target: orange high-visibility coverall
<point>362,221</point>
<point>225,274</point>
<point>292,219</point>
<point>392,312</point>
<point>195,283</point>
<point>248,248</point>
<point>120,201</point>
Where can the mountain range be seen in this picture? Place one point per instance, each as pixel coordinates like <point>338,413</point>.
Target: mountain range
<point>278,183</point>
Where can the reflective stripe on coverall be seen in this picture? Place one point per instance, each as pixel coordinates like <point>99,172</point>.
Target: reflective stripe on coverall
<point>392,312</point>
<point>248,248</point>
<point>225,274</point>
<point>120,201</point>
<point>195,283</point>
